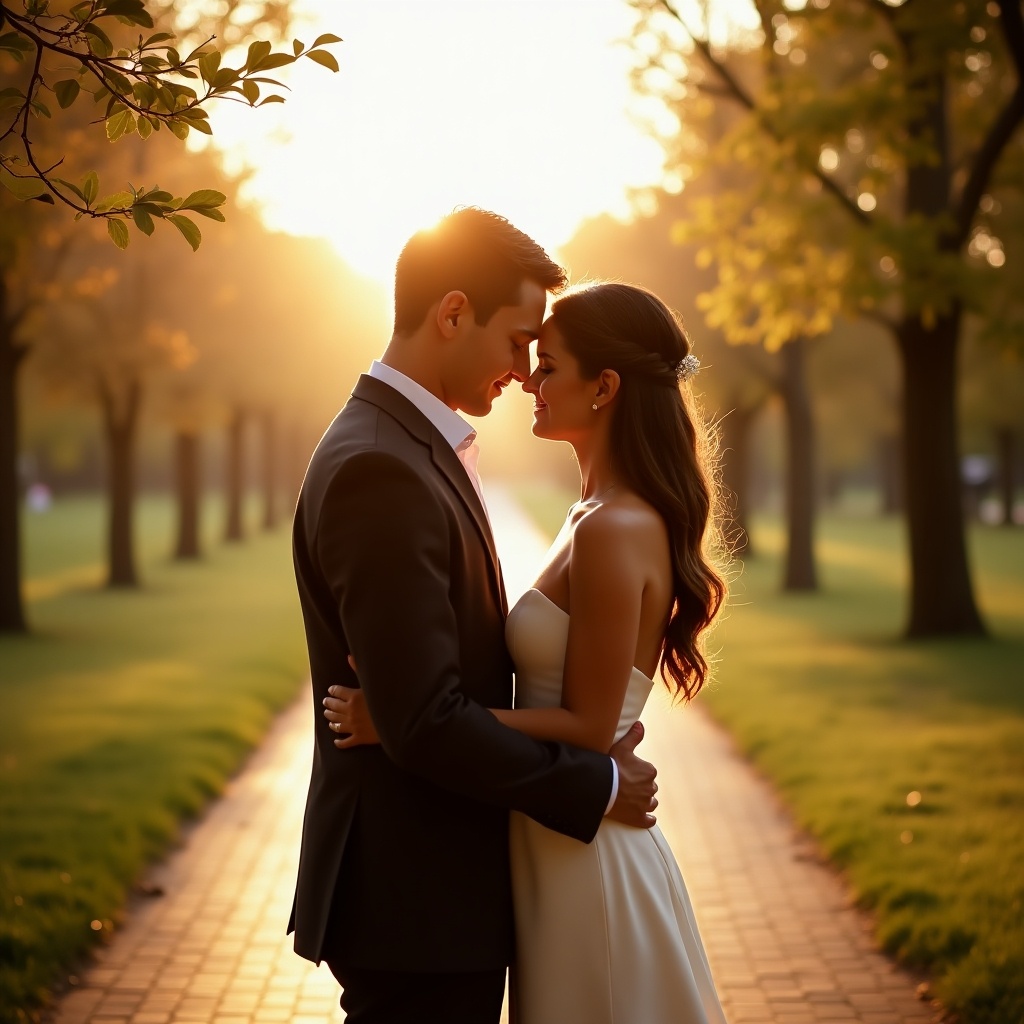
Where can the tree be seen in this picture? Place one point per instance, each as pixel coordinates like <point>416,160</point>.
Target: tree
<point>139,82</point>
<point>872,134</point>
<point>142,86</point>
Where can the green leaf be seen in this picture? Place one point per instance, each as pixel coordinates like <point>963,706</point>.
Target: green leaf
<point>251,91</point>
<point>11,97</point>
<point>145,126</point>
<point>66,92</point>
<point>22,189</point>
<point>322,57</point>
<point>118,231</point>
<point>297,47</point>
<point>91,187</point>
<point>99,41</point>
<point>188,229</point>
<point>173,57</point>
<point>326,38</point>
<point>270,99</point>
<point>179,128</point>
<point>206,211</point>
<point>118,81</point>
<point>160,37</point>
<point>144,93</point>
<point>274,60</point>
<point>119,124</point>
<point>224,78</point>
<point>209,64</point>
<point>132,12</point>
<point>40,108</point>
<point>158,196</point>
<point>204,197</point>
<point>143,220</point>
<point>15,44</point>
<point>199,125</point>
<point>73,188</point>
<point>48,199</point>
<point>117,201</point>
<point>257,51</point>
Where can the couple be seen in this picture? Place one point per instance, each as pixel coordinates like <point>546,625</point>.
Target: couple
<point>412,883</point>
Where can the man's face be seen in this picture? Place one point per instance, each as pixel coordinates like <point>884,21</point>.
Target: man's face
<point>484,359</point>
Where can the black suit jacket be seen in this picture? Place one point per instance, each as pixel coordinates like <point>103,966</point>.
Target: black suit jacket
<point>404,861</point>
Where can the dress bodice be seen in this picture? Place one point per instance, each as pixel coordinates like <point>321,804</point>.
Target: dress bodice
<point>537,632</point>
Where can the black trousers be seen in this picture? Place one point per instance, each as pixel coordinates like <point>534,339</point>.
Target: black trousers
<point>397,997</point>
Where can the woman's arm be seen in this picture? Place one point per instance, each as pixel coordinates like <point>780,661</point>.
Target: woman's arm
<point>606,588</point>
<point>606,584</point>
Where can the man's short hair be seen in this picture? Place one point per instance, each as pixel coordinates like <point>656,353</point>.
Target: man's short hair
<point>473,251</point>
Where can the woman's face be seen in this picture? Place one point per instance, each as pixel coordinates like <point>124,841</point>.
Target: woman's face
<point>563,400</point>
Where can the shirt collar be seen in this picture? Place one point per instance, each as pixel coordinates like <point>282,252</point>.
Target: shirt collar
<point>452,427</point>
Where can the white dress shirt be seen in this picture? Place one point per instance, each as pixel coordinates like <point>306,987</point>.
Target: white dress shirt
<point>462,437</point>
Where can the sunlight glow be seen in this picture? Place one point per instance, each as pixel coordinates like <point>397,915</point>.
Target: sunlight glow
<point>521,106</point>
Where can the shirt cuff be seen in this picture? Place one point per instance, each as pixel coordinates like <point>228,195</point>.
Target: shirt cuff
<point>615,786</point>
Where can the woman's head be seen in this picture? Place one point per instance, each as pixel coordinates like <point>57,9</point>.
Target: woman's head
<point>621,348</point>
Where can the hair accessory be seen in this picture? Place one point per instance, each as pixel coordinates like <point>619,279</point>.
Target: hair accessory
<point>687,367</point>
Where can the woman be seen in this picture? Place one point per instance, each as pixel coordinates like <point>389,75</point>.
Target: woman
<point>605,931</point>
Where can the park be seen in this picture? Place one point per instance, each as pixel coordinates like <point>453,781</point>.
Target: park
<point>834,210</point>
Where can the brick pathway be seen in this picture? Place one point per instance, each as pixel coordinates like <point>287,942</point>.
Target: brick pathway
<point>783,943</point>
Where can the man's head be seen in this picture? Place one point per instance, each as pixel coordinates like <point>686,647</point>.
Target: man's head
<point>470,295</point>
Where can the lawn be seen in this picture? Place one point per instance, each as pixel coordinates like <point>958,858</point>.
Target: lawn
<point>123,713</point>
<point>905,760</point>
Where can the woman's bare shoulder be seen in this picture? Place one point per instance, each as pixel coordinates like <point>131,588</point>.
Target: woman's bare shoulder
<point>625,526</point>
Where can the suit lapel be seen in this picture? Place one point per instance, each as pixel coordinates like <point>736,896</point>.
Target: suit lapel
<point>454,472</point>
<point>378,393</point>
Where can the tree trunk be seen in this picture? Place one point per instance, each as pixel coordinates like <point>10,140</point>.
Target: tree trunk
<point>234,477</point>
<point>941,597</point>
<point>269,430</point>
<point>890,471</point>
<point>12,612</point>
<point>736,431</point>
<point>187,478</point>
<point>1006,456</point>
<point>120,423</point>
<point>800,573</point>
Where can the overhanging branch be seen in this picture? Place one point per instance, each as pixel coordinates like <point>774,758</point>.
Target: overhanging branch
<point>735,91</point>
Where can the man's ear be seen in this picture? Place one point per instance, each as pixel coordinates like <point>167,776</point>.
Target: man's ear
<point>451,311</point>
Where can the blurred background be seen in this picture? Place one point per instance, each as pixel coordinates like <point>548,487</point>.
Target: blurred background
<point>830,196</point>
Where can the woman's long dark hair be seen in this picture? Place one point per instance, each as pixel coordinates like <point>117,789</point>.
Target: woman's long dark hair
<point>659,447</point>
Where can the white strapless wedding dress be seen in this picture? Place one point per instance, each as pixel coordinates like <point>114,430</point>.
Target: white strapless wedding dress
<point>605,933</point>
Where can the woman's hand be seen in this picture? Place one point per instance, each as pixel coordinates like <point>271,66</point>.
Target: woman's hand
<point>345,710</point>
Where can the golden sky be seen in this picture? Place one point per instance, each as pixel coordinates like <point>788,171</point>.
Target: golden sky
<point>521,106</point>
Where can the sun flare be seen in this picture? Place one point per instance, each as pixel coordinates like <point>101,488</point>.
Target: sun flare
<point>523,107</point>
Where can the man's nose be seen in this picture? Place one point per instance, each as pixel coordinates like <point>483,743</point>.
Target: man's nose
<point>521,365</point>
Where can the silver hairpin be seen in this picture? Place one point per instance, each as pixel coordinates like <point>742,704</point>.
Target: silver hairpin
<point>687,367</point>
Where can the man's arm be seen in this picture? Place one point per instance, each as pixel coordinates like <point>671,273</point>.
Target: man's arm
<point>383,545</point>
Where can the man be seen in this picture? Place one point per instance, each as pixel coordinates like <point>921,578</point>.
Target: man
<point>403,883</point>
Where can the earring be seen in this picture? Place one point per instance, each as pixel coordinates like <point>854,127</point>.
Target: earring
<point>594,407</point>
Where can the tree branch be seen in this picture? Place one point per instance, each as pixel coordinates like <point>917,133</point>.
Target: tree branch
<point>1002,129</point>
<point>741,96</point>
<point>1000,133</point>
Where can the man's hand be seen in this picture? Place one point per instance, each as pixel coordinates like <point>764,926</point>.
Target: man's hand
<point>635,800</point>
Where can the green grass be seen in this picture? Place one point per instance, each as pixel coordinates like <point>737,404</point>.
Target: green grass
<point>848,721</point>
<point>123,713</point>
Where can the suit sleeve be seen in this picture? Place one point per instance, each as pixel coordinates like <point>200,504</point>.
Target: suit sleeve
<point>385,555</point>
